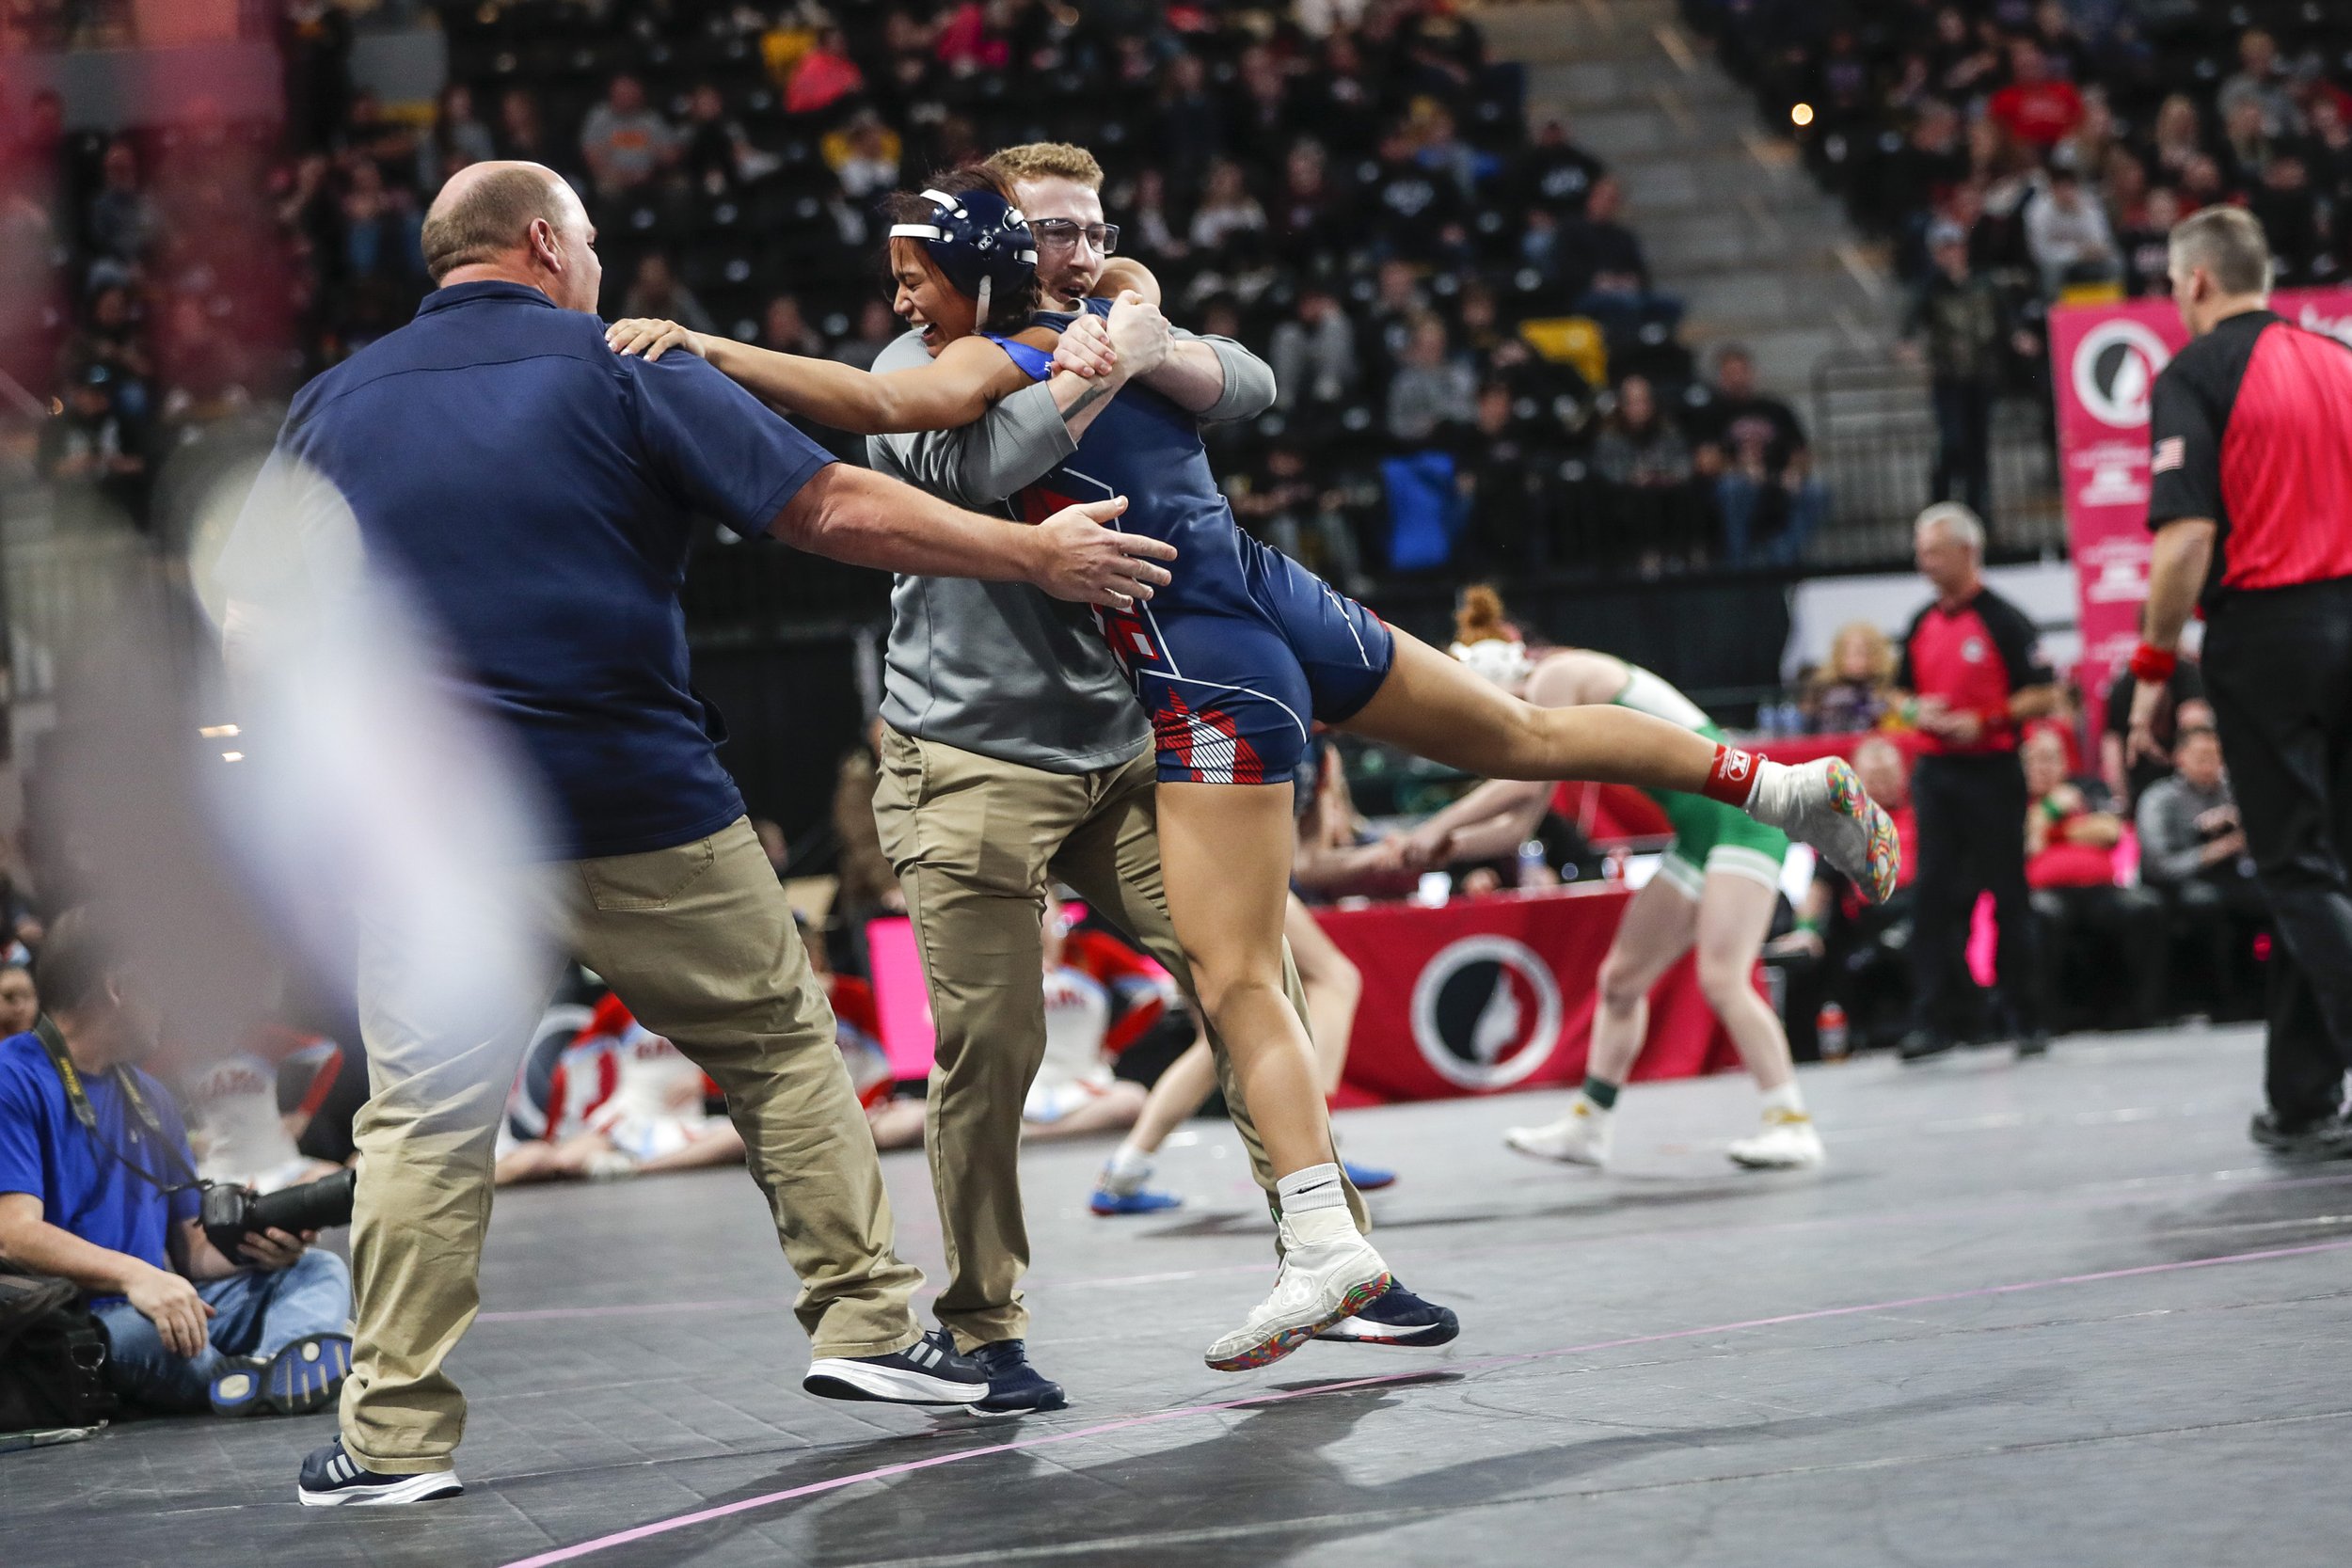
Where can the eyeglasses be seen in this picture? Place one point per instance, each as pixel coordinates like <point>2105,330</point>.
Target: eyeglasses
<point>1064,232</point>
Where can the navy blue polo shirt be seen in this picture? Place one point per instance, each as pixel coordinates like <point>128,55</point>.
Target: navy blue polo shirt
<point>84,1188</point>
<point>536,490</point>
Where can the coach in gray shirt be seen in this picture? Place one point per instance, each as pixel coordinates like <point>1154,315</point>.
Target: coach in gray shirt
<point>1013,756</point>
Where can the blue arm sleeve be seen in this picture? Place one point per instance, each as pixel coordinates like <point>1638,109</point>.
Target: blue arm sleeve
<point>717,447</point>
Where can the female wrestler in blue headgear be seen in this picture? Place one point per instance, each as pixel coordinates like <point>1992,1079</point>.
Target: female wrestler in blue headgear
<point>1234,660</point>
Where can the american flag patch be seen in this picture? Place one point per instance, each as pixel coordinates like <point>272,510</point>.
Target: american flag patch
<point>2170,453</point>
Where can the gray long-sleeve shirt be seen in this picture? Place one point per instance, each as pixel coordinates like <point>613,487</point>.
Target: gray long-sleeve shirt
<point>2171,845</point>
<point>1000,668</point>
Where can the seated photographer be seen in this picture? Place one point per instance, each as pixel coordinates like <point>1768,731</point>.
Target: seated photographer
<point>98,1186</point>
<point>2192,849</point>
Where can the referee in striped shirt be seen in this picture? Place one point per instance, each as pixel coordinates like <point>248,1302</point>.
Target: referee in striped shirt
<point>2251,503</point>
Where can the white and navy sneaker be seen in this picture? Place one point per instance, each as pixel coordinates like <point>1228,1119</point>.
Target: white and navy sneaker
<point>928,1371</point>
<point>1014,1387</point>
<point>1396,1317</point>
<point>332,1478</point>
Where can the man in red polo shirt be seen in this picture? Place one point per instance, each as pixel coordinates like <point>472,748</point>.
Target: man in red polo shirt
<point>1971,661</point>
<point>2250,501</point>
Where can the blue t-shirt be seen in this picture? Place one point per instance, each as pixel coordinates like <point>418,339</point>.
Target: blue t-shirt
<point>82,1187</point>
<point>537,491</point>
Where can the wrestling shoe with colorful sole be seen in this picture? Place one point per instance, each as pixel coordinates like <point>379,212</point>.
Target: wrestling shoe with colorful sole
<point>1396,1317</point>
<point>1788,1142</point>
<point>1337,1276</point>
<point>1580,1138</point>
<point>1822,804</point>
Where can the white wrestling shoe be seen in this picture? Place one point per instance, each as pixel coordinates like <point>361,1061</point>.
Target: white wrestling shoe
<point>1579,1138</point>
<point>1788,1142</point>
<point>1822,804</point>
<point>1329,1271</point>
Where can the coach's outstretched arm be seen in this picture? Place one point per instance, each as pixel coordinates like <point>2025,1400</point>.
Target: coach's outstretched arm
<point>854,514</point>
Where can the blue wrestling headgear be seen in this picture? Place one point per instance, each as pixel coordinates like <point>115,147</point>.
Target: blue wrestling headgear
<point>980,241</point>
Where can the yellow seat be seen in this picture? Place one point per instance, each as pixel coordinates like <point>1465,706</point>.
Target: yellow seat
<point>1572,341</point>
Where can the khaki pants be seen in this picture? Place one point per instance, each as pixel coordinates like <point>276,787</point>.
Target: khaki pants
<point>699,943</point>
<point>975,842</point>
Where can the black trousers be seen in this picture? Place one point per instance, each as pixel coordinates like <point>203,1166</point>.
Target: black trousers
<point>1964,443</point>
<point>2279,669</point>
<point>2103,956</point>
<point>1971,813</point>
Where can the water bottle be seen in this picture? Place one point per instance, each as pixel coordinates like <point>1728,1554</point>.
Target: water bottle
<point>1830,1025</point>
<point>1530,862</point>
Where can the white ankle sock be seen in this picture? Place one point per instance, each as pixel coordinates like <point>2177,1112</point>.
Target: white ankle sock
<point>1785,1098</point>
<point>1128,1161</point>
<point>1303,1192</point>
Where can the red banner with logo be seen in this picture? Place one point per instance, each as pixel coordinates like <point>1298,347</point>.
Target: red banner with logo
<point>1493,994</point>
<point>2107,359</point>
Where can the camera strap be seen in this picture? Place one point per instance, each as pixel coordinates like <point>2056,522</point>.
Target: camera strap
<point>61,1058</point>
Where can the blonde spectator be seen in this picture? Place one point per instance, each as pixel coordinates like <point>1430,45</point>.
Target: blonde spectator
<point>1850,692</point>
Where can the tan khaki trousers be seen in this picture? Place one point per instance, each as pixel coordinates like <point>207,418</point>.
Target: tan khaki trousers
<point>699,943</point>
<point>975,843</point>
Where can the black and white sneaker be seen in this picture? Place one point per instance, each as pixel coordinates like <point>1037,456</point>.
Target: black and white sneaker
<point>332,1478</point>
<point>1397,1317</point>
<point>1014,1387</point>
<point>928,1371</point>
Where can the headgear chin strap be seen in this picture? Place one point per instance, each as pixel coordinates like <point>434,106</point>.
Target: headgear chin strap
<point>980,243</point>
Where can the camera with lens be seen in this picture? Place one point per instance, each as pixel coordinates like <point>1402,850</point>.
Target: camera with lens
<point>232,1213</point>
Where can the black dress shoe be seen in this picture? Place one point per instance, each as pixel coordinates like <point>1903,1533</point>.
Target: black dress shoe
<point>2326,1138</point>
<point>2033,1043</point>
<point>1920,1044</point>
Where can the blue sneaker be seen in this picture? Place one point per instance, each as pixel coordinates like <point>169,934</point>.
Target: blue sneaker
<point>928,1371</point>
<point>1397,1317</point>
<point>1143,1200</point>
<point>1368,1178</point>
<point>305,1376</point>
<point>332,1478</point>
<point>1014,1387</point>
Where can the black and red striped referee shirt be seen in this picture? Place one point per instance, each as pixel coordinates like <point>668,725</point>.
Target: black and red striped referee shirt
<point>2252,426</point>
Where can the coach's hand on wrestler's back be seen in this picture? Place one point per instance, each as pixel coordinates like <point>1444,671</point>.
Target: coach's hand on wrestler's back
<point>1141,333</point>
<point>652,337</point>
<point>1080,560</point>
<point>1086,348</point>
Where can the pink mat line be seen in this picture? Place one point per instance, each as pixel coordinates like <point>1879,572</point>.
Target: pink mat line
<point>1899,1216</point>
<point>682,1521</point>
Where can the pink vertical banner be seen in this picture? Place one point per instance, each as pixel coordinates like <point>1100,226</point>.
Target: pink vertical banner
<point>901,999</point>
<point>2107,359</point>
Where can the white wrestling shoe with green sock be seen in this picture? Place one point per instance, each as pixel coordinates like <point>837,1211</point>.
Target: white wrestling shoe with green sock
<point>1329,1271</point>
<point>1579,1138</point>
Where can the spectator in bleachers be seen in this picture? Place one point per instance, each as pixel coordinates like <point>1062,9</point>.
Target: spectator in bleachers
<point>783,326</point>
<point>2146,244</point>
<point>2103,950</point>
<point>2067,234</point>
<point>522,132</point>
<point>2260,82</point>
<point>1504,467</point>
<point>1226,210</point>
<point>2037,108</point>
<point>1556,174</point>
<point>876,328</point>
<point>2192,849</point>
<point>1609,272</point>
<point>865,155</point>
<point>1854,686</point>
<point>1281,502</point>
<point>1643,451</point>
<point>455,139</point>
<point>1433,387</point>
<point>1314,353</point>
<point>826,75</point>
<point>20,1000</point>
<point>657,291</point>
<point>1754,450</point>
<point>627,143</point>
<point>1961,324</point>
<point>93,452</point>
<point>124,225</point>
<point>2183,707</point>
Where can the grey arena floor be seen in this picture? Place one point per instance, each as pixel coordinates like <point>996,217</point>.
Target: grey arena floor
<point>2053,1314</point>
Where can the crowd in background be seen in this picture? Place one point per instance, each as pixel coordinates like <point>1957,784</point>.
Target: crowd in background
<point>2011,150</point>
<point>1351,189</point>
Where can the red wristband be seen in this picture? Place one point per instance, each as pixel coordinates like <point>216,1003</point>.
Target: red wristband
<point>1732,779</point>
<point>2152,664</point>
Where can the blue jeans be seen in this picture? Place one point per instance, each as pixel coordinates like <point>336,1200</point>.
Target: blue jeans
<point>1739,498</point>
<point>254,1313</point>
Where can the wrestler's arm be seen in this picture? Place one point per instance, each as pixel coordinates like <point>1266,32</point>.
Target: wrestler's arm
<point>957,387</point>
<point>1214,378</point>
<point>1015,443</point>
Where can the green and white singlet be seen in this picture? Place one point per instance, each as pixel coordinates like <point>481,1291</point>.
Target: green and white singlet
<point>1709,837</point>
